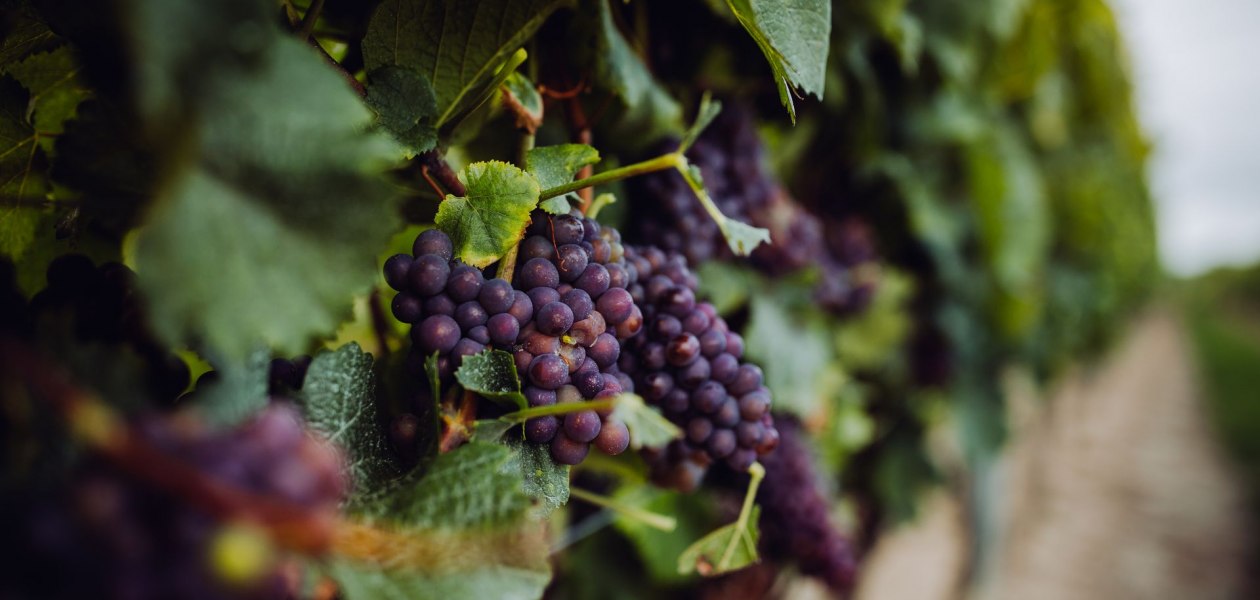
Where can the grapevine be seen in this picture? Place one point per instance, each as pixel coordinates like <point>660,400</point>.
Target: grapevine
<point>308,299</point>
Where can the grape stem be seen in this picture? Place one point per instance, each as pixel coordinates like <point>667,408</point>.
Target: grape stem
<point>654,520</point>
<point>660,163</point>
<point>525,414</point>
<point>308,20</point>
<point>757,472</point>
<point>437,166</point>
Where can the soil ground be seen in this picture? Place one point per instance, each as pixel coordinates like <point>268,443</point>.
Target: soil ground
<point>1113,487</point>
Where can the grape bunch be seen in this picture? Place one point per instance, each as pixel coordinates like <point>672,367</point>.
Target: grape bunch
<point>688,362</point>
<point>115,532</point>
<point>559,318</point>
<point>730,157</point>
<point>794,514</point>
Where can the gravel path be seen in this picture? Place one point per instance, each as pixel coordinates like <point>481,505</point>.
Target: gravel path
<point>1112,489</point>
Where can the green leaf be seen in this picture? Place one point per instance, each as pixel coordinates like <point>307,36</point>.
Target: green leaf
<point>477,485</point>
<point>556,165</point>
<point>491,218</point>
<point>456,45</point>
<point>280,216</point>
<point>24,33</point>
<point>792,345</point>
<point>21,177</point>
<point>525,93</point>
<point>56,91</point>
<point>728,548</point>
<point>405,106</point>
<point>709,109</point>
<point>357,582</point>
<point>339,398</point>
<point>492,374</point>
<point>727,286</point>
<point>239,392</point>
<point>794,36</point>
<point>741,238</point>
<point>647,426</point>
<point>659,549</point>
<point>600,50</point>
<point>544,479</point>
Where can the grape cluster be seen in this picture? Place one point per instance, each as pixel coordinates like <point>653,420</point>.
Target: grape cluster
<point>688,362</point>
<point>730,157</point>
<point>795,525</point>
<point>109,533</point>
<point>559,318</point>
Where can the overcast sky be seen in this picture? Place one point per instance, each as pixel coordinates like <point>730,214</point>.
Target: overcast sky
<point>1196,65</point>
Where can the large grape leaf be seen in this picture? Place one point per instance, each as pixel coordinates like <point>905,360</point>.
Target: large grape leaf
<point>405,106</point>
<point>794,36</point>
<point>339,399</point>
<point>492,374</point>
<point>461,532</point>
<point>544,479</point>
<point>602,51</point>
<point>457,44</point>
<point>274,225</point>
<point>24,33</point>
<point>490,219</point>
<point>21,178</point>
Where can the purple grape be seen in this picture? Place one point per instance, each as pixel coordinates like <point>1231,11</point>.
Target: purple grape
<point>541,430</point>
<point>579,302</point>
<point>536,273</point>
<point>554,318</point>
<point>747,380</point>
<point>437,333</point>
<point>536,246</point>
<point>428,275</point>
<point>522,307</point>
<point>396,268</point>
<point>582,426</point>
<point>616,305</point>
<point>604,351</point>
<point>566,451</point>
<point>407,307</point>
<point>433,242</point>
<point>470,314</point>
<point>480,334</point>
<point>571,261</point>
<point>496,296</point>
<point>537,396</point>
<point>542,296</point>
<point>440,305</point>
<point>503,329</point>
<point>567,229</point>
<point>613,438</point>
<point>548,371</point>
<point>464,284</point>
<point>699,429</point>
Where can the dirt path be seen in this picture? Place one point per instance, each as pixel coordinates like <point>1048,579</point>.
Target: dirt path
<point>1113,489</point>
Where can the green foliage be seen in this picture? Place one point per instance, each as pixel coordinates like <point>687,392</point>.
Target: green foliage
<point>339,400</point>
<point>486,222</point>
<point>601,50</point>
<point>405,105</point>
<point>477,485</point>
<point>456,45</point>
<point>544,480</point>
<point>793,34</point>
<point>492,374</point>
<point>239,391</point>
<point>790,342</point>
<point>556,165</point>
<point>493,581</point>
<point>728,548</point>
<point>647,426</point>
